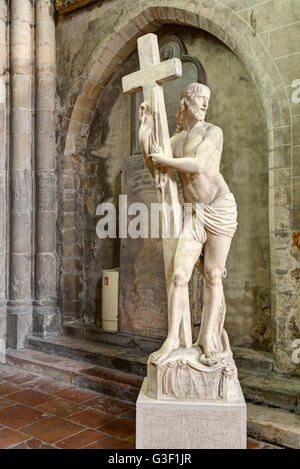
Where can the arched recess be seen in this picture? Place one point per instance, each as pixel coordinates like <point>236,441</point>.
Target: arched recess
<point>238,35</point>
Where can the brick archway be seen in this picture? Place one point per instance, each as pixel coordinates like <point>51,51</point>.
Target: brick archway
<point>238,35</point>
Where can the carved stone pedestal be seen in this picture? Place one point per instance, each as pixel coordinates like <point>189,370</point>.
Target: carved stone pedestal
<point>183,375</point>
<point>190,423</point>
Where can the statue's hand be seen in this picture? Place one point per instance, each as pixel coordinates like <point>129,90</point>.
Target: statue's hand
<point>146,134</point>
<point>145,115</point>
<point>158,157</point>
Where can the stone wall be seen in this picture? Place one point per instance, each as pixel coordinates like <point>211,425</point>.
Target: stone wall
<point>28,290</point>
<point>92,44</point>
<point>3,174</point>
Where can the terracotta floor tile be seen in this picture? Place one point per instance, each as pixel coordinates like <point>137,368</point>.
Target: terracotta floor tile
<point>9,438</point>
<point>129,415</point>
<point>19,378</point>
<point>8,388</point>
<point>5,402</point>
<point>91,418</point>
<point>6,370</point>
<point>131,439</point>
<point>18,415</point>
<point>61,408</point>
<point>122,428</point>
<point>110,406</point>
<point>31,397</point>
<point>52,429</point>
<point>111,443</point>
<point>51,387</point>
<point>33,443</point>
<point>81,439</point>
<point>73,394</point>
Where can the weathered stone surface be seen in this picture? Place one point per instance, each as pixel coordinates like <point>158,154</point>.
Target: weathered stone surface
<point>93,333</point>
<point>2,333</point>
<point>256,444</point>
<point>118,357</point>
<point>46,320</point>
<point>40,363</point>
<point>250,360</point>
<point>3,177</point>
<point>45,296</point>
<point>276,391</point>
<point>112,383</point>
<point>19,324</point>
<point>19,320</point>
<point>274,425</point>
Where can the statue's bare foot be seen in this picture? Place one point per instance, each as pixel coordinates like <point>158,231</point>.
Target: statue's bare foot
<point>167,347</point>
<point>208,361</point>
<point>208,347</point>
<point>209,356</point>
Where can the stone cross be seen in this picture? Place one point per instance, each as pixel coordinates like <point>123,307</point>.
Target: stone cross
<point>150,78</point>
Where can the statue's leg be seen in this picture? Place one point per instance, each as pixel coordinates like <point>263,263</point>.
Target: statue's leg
<point>187,253</point>
<point>216,252</point>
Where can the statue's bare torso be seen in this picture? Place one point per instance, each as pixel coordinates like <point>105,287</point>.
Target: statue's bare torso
<point>209,184</point>
<point>196,152</point>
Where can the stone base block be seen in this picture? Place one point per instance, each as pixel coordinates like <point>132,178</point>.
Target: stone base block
<point>19,324</point>
<point>46,321</point>
<point>190,424</point>
<point>2,333</point>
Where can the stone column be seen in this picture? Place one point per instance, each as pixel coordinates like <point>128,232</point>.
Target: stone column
<point>45,312</point>
<point>3,176</point>
<point>19,316</point>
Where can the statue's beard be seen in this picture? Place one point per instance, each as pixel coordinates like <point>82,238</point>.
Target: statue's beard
<point>186,113</point>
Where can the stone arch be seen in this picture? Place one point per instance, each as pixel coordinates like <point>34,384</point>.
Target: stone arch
<point>225,24</point>
<point>231,29</point>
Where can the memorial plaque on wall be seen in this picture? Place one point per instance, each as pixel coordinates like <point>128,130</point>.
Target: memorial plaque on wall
<point>143,302</point>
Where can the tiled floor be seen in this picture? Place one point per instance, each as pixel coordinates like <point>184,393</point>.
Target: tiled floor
<point>40,413</point>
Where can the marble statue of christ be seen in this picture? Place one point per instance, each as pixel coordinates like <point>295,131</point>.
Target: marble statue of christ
<point>197,149</point>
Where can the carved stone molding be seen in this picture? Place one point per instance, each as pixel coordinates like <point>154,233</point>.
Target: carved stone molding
<point>66,6</point>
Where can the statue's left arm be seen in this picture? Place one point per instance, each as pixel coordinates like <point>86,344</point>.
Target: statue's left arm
<point>193,165</point>
<point>146,135</point>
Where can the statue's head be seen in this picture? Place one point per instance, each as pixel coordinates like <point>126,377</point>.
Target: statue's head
<point>193,104</point>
